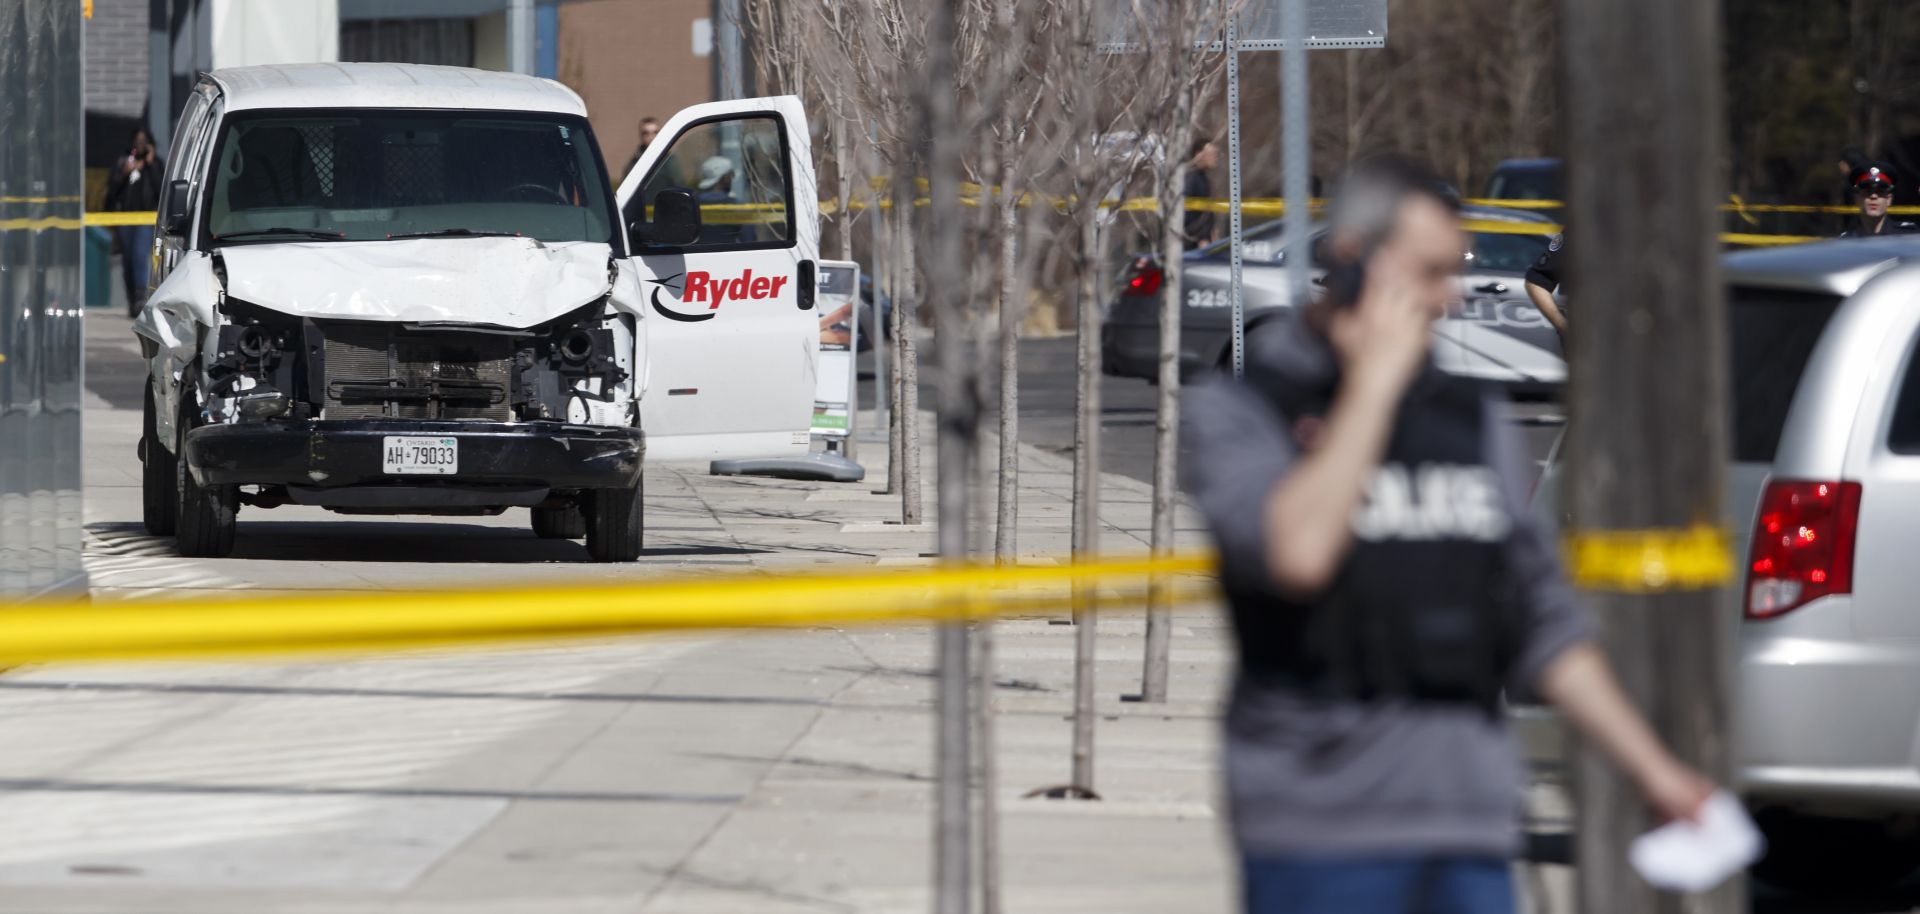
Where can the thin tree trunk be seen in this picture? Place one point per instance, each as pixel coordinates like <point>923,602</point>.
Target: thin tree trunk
<point>1172,206</point>
<point>958,435</point>
<point>842,177</point>
<point>1012,310</point>
<point>908,404</point>
<point>1086,489</point>
<point>896,442</point>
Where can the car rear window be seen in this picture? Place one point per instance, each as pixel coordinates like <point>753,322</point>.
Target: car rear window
<point>1903,436</point>
<point>1773,333</point>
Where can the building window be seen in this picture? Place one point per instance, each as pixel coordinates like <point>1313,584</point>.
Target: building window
<point>448,42</point>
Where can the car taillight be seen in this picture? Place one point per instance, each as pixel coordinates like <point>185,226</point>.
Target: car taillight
<point>1802,545</point>
<point>1144,278</point>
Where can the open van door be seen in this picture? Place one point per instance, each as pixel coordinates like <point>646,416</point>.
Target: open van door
<point>731,324</point>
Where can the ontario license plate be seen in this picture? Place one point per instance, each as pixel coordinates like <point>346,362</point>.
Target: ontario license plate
<point>410,456</point>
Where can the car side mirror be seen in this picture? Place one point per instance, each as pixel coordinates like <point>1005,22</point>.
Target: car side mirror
<point>176,208</point>
<point>676,220</point>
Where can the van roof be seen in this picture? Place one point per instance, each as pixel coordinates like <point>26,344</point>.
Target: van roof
<point>390,85</point>
<point>1837,267</point>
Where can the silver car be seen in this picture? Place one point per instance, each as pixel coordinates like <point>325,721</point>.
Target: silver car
<point>1494,334</point>
<point>1824,477</point>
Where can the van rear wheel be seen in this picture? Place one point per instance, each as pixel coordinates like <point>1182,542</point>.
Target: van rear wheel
<point>615,519</point>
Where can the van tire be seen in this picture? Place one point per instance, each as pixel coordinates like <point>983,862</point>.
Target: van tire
<point>204,523</point>
<point>615,519</point>
<point>568,523</point>
<point>159,496</point>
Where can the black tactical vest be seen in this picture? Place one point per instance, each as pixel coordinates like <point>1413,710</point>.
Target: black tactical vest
<point>1423,607</point>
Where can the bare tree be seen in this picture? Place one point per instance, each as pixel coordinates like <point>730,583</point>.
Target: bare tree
<point>1182,78</point>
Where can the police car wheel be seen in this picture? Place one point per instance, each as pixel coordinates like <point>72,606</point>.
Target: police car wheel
<point>159,498</point>
<point>204,522</point>
<point>568,523</point>
<point>614,524</point>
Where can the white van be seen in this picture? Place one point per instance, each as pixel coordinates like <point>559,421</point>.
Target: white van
<point>394,289</point>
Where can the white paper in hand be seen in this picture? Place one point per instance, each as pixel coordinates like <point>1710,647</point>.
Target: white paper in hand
<point>1696,856</point>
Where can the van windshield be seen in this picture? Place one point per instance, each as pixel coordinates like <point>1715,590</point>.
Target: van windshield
<point>1773,334</point>
<point>370,175</point>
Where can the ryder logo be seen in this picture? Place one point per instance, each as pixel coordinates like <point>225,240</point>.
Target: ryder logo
<point>705,288</point>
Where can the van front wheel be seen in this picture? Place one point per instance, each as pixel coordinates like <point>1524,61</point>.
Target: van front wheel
<point>205,520</point>
<point>159,497</point>
<point>615,518</point>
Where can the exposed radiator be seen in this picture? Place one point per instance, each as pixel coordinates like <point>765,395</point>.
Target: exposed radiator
<point>387,371</point>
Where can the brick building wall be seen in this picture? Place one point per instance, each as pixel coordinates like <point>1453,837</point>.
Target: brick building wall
<point>115,45</point>
<point>116,58</point>
<point>629,59</point>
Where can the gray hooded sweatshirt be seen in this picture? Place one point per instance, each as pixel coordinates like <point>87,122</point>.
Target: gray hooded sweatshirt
<point>1343,777</point>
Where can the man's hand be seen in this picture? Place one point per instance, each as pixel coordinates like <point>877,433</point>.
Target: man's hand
<point>1382,340</point>
<point>1582,686</point>
<point>1674,790</point>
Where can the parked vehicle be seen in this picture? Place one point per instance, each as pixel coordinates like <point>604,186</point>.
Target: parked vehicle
<point>1495,332</point>
<point>1824,477</point>
<point>1525,179</point>
<point>392,289</point>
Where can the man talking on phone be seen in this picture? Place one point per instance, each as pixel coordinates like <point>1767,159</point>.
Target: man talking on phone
<point>1387,584</point>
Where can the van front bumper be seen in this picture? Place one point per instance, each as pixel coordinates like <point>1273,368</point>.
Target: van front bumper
<point>327,454</point>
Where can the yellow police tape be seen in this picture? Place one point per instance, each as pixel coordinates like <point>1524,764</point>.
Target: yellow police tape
<point>116,219</point>
<point>1650,561</point>
<point>354,622</point>
<point>776,214</point>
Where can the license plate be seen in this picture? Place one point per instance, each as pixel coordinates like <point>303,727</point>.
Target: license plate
<point>410,456</point>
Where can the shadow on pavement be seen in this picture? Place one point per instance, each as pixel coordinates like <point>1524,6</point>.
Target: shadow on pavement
<point>62,785</point>
<point>351,541</point>
<point>69,687</point>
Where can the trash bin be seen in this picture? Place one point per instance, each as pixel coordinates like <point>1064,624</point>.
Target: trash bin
<point>99,267</point>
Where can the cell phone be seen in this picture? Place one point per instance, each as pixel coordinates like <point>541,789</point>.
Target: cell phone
<point>1345,281</point>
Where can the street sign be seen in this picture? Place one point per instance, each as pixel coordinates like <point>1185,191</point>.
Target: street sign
<point>1260,25</point>
<point>834,380</point>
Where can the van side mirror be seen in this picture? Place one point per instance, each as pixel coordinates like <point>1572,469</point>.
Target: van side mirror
<point>676,220</point>
<point>176,208</point>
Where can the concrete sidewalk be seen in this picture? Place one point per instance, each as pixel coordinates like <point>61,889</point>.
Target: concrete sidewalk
<point>723,772</point>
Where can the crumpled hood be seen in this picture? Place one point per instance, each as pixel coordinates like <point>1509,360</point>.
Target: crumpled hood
<point>506,282</point>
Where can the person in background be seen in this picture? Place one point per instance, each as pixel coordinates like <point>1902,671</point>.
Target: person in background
<point>1873,184</point>
<point>649,129</point>
<point>716,188</point>
<point>1201,226</point>
<point>133,185</point>
<point>1851,158</point>
<point>1543,279</point>
<point>1386,584</point>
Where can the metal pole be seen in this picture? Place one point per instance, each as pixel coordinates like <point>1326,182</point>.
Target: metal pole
<point>1233,199</point>
<point>1297,147</point>
<point>520,36</point>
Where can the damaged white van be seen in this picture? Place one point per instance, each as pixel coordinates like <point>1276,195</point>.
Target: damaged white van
<point>391,289</point>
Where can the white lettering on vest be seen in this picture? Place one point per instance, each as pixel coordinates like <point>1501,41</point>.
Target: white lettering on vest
<point>1436,501</point>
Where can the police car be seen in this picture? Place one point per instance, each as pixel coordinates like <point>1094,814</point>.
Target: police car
<point>1495,333</point>
<point>391,289</point>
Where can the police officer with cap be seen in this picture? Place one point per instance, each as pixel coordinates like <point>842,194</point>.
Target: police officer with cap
<point>1873,184</point>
